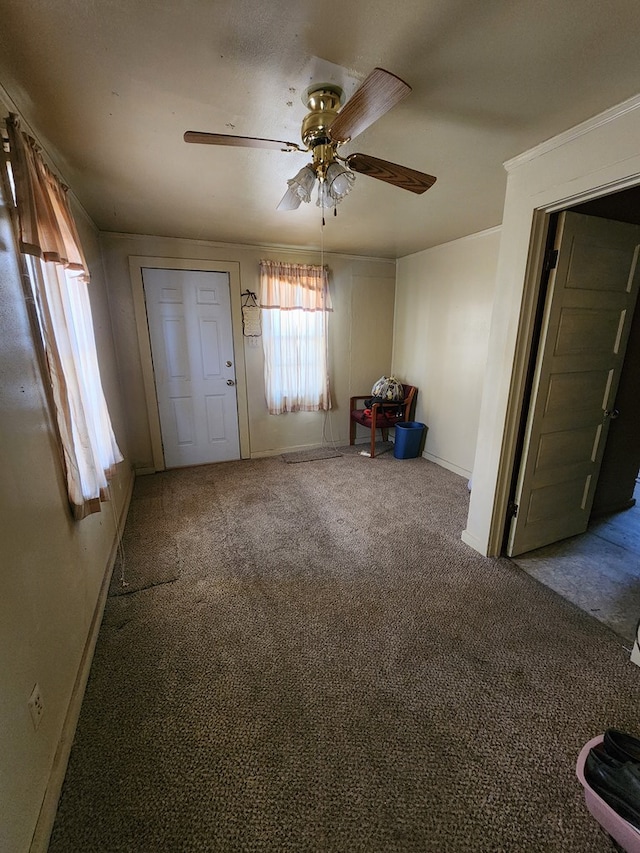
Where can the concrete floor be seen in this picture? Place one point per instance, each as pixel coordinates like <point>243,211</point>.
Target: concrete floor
<point>599,571</point>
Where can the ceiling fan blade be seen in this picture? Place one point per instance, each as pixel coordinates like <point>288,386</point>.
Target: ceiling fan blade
<point>239,141</point>
<point>392,173</point>
<point>377,95</point>
<point>289,201</point>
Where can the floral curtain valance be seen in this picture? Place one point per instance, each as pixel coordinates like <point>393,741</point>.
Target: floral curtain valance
<point>290,287</point>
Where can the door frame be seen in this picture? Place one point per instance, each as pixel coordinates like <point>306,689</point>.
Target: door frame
<point>526,349</point>
<point>592,159</point>
<point>545,300</point>
<point>136,264</point>
<point>525,341</point>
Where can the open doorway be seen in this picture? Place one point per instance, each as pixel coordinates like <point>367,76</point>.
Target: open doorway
<point>600,569</point>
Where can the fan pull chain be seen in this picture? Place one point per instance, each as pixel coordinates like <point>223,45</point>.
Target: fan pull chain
<point>322,204</point>
<point>322,241</point>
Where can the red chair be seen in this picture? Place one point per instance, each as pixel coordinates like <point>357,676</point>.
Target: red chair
<point>381,416</point>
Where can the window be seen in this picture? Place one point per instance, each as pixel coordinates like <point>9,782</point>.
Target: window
<point>59,279</point>
<point>295,302</point>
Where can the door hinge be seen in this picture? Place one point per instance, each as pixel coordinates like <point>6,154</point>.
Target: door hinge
<point>551,260</point>
<point>512,509</point>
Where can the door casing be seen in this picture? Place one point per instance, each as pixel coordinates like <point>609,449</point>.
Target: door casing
<point>525,350</point>
<point>586,228</point>
<point>136,265</point>
<point>540,222</point>
<point>593,159</point>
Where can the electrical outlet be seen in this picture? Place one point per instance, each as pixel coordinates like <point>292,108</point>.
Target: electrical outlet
<point>36,706</point>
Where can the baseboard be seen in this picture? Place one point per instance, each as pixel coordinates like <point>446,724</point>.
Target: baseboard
<point>47,816</point>
<point>474,542</point>
<point>141,472</point>
<point>448,465</point>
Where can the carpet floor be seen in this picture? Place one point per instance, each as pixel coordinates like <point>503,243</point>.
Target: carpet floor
<point>308,658</point>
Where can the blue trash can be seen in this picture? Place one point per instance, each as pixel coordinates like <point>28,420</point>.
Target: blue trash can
<point>408,439</point>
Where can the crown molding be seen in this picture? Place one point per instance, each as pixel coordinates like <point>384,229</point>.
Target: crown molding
<point>476,235</point>
<point>581,129</point>
<point>253,247</point>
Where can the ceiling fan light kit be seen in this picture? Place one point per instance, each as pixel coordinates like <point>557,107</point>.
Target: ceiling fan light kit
<point>329,124</point>
<point>338,180</point>
<point>302,183</point>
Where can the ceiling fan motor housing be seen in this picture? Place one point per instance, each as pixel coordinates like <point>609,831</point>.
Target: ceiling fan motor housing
<point>324,103</point>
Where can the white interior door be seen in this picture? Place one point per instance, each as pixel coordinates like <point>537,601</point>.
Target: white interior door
<point>189,318</point>
<point>589,307</point>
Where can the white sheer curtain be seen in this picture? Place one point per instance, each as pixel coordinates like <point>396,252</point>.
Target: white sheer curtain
<point>89,447</point>
<point>59,278</point>
<point>295,302</point>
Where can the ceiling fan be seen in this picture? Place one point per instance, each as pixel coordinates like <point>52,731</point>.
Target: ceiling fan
<point>325,128</point>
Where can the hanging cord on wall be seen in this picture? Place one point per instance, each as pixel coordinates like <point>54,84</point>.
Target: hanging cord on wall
<point>327,414</point>
<point>325,439</point>
<point>322,239</point>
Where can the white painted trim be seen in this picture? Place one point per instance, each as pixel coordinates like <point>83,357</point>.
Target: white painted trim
<point>474,543</point>
<point>136,264</point>
<point>587,126</point>
<point>266,247</point>
<point>265,454</point>
<point>49,807</point>
<point>495,229</point>
<point>595,192</point>
<point>522,355</point>
<point>443,463</point>
<point>146,361</point>
<point>143,472</point>
<point>598,159</point>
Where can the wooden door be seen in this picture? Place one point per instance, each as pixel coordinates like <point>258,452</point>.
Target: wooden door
<point>590,304</point>
<point>621,460</point>
<point>189,318</point>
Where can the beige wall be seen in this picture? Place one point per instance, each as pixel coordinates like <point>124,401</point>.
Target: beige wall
<point>444,300</point>
<point>51,568</point>
<point>360,334</point>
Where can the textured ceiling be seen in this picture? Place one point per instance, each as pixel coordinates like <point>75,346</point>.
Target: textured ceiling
<point>110,86</point>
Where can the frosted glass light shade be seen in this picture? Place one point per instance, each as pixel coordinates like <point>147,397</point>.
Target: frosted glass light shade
<point>339,181</point>
<point>303,183</point>
<point>325,199</point>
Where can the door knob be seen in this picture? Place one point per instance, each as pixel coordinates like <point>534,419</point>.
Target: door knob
<point>612,413</point>
<point>230,382</point>
<point>228,363</point>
